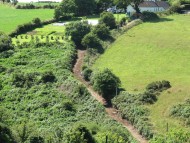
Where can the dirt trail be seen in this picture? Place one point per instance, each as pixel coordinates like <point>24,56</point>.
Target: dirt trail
<point>112,112</point>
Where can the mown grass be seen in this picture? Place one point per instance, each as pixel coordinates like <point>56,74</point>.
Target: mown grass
<point>11,17</point>
<point>152,52</point>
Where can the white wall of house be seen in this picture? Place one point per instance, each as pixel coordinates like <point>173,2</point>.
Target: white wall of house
<point>151,9</point>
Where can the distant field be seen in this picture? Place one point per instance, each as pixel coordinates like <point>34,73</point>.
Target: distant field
<point>10,18</point>
<point>152,52</point>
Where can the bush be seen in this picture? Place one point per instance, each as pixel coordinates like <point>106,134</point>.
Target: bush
<point>158,86</point>
<point>148,97</point>
<point>102,31</point>
<point>105,82</point>
<point>5,42</point>
<point>149,16</point>
<point>36,139</point>
<point>37,21</point>
<point>123,21</point>
<point>91,40</point>
<point>77,30</point>
<point>79,134</point>
<point>108,19</point>
<point>48,77</point>
<point>87,74</point>
<point>6,135</point>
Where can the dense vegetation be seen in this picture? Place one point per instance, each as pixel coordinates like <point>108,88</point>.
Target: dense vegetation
<point>41,101</point>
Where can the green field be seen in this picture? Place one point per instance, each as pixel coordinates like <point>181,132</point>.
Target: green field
<point>11,18</point>
<point>152,52</point>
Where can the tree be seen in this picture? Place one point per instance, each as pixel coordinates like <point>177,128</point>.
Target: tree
<point>102,31</point>
<point>108,19</point>
<point>91,40</point>
<point>79,134</point>
<point>75,7</point>
<point>105,82</point>
<point>5,42</point>
<point>77,30</point>
<point>102,5</point>
<point>85,7</point>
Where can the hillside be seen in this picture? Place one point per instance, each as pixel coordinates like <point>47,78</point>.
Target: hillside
<point>153,52</point>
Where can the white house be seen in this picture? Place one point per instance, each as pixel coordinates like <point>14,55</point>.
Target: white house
<point>152,6</point>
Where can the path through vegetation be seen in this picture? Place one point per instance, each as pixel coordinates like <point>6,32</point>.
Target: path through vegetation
<point>112,112</point>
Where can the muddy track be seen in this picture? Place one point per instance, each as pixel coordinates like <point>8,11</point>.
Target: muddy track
<point>112,112</point>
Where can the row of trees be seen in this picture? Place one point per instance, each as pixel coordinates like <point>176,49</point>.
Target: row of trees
<point>88,7</point>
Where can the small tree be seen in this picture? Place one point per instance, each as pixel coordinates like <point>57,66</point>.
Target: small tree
<point>79,134</point>
<point>105,82</point>
<point>108,19</point>
<point>102,31</point>
<point>91,40</point>
<point>77,30</point>
<point>36,21</point>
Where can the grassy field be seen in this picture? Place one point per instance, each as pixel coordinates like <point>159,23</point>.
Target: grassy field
<point>152,52</point>
<point>11,18</point>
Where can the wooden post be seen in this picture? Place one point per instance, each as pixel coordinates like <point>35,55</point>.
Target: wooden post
<point>167,127</point>
<point>106,139</point>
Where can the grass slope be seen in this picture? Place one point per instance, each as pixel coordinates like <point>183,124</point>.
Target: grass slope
<point>11,18</point>
<point>151,52</point>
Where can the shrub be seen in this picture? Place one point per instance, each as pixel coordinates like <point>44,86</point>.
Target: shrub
<point>108,19</point>
<point>149,16</point>
<point>79,134</point>
<point>36,139</point>
<point>37,21</point>
<point>105,82</point>
<point>6,135</point>
<point>5,42</point>
<point>77,30</point>
<point>48,77</point>
<point>123,21</point>
<point>148,97</point>
<point>158,85</point>
<point>87,74</point>
<point>91,40</point>
<point>102,31</point>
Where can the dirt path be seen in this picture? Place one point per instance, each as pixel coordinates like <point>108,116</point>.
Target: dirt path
<point>112,112</point>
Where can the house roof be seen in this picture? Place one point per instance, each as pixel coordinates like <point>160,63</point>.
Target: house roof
<point>148,4</point>
<point>163,4</point>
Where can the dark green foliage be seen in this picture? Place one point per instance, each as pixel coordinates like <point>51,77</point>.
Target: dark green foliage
<point>149,16</point>
<point>108,19</point>
<point>36,139</point>
<point>105,82</point>
<point>31,6</point>
<point>2,69</point>
<point>37,21</point>
<point>85,7</point>
<point>48,77</point>
<point>182,111</point>
<point>102,5</point>
<point>91,40</point>
<point>77,30</point>
<point>87,74</point>
<point>158,86</point>
<point>6,135</point>
<point>5,42</point>
<point>79,134</point>
<point>24,80</point>
<point>148,97</point>
<point>123,21</point>
<point>102,31</point>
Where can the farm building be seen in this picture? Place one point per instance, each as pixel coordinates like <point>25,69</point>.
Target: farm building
<point>152,6</point>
